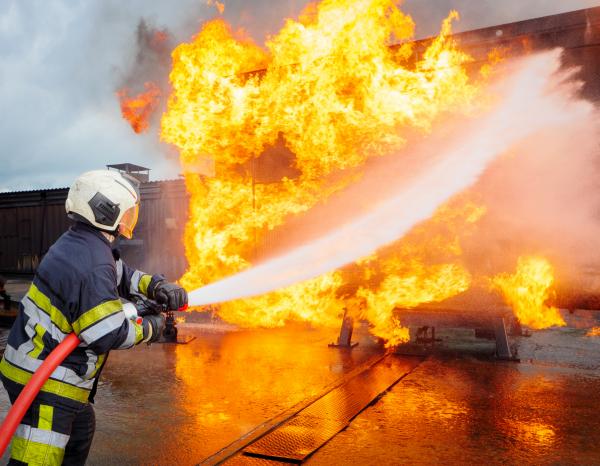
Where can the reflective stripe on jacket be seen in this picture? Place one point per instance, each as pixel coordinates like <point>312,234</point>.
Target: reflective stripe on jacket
<point>76,290</point>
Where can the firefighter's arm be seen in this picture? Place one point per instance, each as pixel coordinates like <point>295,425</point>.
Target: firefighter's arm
<point>100,321</point>
<point>156,287</point>
<point>131,281</point>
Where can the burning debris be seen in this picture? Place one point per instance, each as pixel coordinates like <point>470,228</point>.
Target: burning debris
<point>137,110</point>
<point>151,64</point>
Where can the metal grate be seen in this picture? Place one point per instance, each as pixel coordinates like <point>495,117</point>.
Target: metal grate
<point>311,428</point>
<point>243,460</point>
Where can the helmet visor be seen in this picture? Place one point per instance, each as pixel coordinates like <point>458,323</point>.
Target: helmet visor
<point>128,221</point>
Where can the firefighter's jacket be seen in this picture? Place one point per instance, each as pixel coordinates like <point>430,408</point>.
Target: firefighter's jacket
<point>76,289</point>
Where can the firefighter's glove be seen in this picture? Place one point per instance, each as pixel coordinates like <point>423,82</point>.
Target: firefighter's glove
<point>170,294</point>
<point>153,325</point>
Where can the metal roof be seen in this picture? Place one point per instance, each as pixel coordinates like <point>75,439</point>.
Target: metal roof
<point>148,190</point>
<point>128,167</point>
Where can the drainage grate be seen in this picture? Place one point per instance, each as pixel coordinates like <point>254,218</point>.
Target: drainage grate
<point>303,434</point>
<point>242,460</point>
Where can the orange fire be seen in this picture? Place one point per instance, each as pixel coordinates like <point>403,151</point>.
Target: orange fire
<point>329,86</point>
<point>419,284</point>
<point>409,274</point>
<point>138,110</point>
<point>594,332</point>
<point>527,291</point>
<point>220,6</point>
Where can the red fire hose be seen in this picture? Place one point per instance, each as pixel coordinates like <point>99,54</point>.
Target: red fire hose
<point>30,391</point>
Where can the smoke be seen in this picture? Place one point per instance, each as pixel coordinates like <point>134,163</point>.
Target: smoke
<point>153,56</point>
<point>261,18</point>
<point>535,101</point>
<point>142,94</point>
<point>61,64</point>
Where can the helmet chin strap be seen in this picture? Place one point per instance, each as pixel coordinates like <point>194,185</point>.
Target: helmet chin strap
<point>108,236</point>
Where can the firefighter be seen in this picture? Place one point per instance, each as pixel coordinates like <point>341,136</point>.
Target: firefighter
<point>77,288</point>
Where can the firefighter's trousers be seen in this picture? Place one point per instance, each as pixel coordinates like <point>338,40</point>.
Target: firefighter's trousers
<point>52,432</point>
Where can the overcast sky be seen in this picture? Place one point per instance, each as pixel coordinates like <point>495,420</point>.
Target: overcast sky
<point>61,62</point>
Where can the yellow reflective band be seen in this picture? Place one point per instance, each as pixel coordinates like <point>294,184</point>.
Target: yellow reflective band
<point>97,313</point>
<point>21,376</point>
<point>144,283</point>
<point>139,332</point>
<point>34,453</point>
<point>46,415</point>
<point>38,342</point>
<point>99,362</point>
<point>43,302</point>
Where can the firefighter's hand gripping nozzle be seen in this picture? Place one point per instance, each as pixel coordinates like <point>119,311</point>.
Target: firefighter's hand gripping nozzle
<point>174,298</point>
<point>158,320</point>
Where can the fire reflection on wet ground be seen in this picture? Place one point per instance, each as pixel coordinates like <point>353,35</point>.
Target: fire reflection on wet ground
<point>178,404</point>
<point>169,404</point>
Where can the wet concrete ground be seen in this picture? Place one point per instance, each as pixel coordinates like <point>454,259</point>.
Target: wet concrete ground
<point>179,404</point>
<point>468,411</point>
<point>464,409</point>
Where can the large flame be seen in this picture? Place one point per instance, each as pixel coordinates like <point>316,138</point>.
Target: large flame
<point>527,291</point>
<point>334,93</point>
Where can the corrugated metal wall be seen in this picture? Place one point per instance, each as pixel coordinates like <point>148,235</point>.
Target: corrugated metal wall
<point>577,32</point>
<point>158,243</point>
<point>31,221</point>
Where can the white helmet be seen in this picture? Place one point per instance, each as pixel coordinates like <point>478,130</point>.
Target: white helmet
<point>106,200</point>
